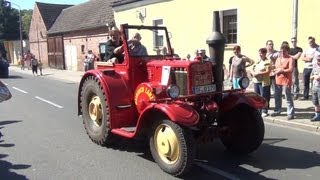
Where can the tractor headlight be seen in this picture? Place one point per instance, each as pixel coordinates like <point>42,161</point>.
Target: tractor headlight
<point>173,91</point>
<point>244,82</point>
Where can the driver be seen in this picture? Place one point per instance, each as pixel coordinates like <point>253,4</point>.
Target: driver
<point>135,46</point>
<point>114,48</point>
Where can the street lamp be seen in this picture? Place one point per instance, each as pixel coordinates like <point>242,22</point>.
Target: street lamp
<point>20,24</point>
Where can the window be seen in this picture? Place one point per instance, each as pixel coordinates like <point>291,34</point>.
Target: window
<point>158,37</point>
<point>229,25</point>
<point>82,49</point>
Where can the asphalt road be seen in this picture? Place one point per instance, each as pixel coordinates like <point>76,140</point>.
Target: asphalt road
<point>44,139</point>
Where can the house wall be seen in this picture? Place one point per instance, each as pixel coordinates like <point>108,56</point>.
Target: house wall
<point>89,38</point>
<point>37,37</point>
<point>13,50</point>
<point>190,22</point>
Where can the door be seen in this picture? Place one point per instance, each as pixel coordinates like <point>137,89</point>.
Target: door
<point>70,55</point>
<point>56,52</point>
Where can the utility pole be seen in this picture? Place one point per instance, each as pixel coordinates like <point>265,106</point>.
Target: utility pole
<point>295,19</point>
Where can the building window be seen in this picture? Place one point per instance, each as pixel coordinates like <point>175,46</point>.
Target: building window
<point>229,25</point>
<point>82,49</point>
<point>158,37</point>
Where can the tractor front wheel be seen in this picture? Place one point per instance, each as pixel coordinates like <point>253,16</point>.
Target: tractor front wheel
<point>95,111</point>
<point>172,147</point>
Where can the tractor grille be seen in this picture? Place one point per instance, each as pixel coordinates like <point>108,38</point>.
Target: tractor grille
<point>200,79</point>
<point>180,75</point>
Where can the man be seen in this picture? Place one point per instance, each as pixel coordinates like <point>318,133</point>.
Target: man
<point>27,59</point>
<point>272,55</point>
<point>114,48</point>
<point>295,52</point>
<point>135,46</point>
<point>283,76</point>
<point>308,56</point>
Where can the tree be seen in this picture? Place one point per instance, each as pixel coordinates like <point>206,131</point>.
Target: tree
<point>9,22</point>
<point>26,21</point>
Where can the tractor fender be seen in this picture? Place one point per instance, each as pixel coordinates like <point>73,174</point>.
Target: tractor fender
<point>231,100</point>
<point>180,113</point>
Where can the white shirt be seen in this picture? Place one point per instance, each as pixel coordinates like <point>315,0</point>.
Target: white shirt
<point>309,52</point>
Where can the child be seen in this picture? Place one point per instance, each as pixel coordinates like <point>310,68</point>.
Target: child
<point>315,77</point>
<point>40,67</point>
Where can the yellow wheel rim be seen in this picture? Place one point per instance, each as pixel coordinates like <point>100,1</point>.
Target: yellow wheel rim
<point>95,111</point>
<point>167,144</point>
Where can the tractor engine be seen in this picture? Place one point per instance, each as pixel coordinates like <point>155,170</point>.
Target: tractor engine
<point>193,78</point>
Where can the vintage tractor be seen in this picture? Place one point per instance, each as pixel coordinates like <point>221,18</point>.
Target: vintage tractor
<point>173,103</point>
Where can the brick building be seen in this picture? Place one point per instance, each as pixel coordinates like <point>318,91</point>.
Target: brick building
<point>74,31</point>
<point>43,17</point>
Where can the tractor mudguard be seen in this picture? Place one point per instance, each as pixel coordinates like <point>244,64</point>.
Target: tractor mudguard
<point>119,103</point>
<point>233,99</point>
<point>179,113</point>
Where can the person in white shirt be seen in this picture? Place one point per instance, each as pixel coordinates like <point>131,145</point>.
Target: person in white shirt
<point>308,56</point>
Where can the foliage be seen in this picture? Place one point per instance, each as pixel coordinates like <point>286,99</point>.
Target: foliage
<point>26,20</point>
<point>9,23</point>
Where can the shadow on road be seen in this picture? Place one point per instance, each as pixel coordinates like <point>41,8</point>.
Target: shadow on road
<point>47,74</point>
<point>6,167</point>
<point>267,157</point>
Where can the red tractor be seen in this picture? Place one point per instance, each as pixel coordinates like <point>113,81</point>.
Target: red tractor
<point>173,102</point>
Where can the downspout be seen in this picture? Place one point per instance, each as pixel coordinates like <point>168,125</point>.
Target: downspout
<point>295,19</point>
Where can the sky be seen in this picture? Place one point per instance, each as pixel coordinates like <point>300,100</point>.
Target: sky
<point>29,4</point>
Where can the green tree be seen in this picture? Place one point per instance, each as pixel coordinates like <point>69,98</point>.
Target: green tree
<point>9,22</point>
<point>26,21</point>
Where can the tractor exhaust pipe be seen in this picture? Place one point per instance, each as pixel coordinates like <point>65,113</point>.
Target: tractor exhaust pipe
<point>216,43</point>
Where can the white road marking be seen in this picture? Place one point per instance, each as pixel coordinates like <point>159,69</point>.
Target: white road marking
<point>49,102</point>
<point>216,171</point>
<point>25,92</point>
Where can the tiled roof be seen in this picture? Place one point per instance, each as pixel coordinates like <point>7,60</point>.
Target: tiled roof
<point>88,15</point>
<point>50,12</point>
<point>122,2</point>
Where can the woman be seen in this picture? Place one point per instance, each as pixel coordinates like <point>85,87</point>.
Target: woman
<point>238,67</point>
<point>261,79</point>
<point>283,76</point>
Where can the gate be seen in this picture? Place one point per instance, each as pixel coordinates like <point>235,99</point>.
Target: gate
<point>56,53</point>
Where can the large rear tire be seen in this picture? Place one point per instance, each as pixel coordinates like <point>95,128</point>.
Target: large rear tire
<point>172,147</point>
<point>95,111</point>
<point>245,129</point>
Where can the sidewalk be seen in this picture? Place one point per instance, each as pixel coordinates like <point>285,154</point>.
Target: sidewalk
<point>62,75</point>
<point>304,109</point>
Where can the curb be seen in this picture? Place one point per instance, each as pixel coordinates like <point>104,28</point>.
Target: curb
<point>307,127</point>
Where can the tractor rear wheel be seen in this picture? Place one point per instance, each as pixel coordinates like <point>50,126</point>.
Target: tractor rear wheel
<point>95,111</point>
<point>172,147</point>
<point>245,129</point>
